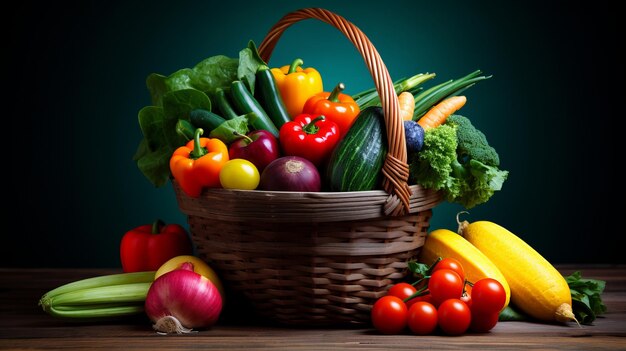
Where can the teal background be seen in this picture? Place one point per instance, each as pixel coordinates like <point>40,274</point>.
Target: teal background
<point>75,75</point>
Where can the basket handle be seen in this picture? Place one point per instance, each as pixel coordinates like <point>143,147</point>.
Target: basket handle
<point>395,169</point>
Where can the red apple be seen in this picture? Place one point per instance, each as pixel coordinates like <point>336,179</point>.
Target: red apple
<point>259,147</point>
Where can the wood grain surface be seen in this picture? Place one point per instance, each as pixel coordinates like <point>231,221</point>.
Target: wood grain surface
<point>24,326</point>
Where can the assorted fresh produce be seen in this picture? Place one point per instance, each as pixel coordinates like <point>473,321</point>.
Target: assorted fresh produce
<point>344,136</point>
<point>443,298</point>
<point>184,293</point>
<point>276,129</point>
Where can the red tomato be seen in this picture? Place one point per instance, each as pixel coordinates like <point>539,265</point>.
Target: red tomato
<point>454,317</point>
<point>402,290</point>
<point>445,284</point>
<point>389,315</point>
<point>488,296</point>
<point>483,322</point>
<point>452,264</point>
<point>422,318</point>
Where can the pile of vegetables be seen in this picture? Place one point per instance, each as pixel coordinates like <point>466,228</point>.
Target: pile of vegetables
<point>224,109</point>
<point>183,294</point>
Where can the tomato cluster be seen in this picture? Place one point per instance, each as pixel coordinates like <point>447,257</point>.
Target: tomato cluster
<point>446,301</point>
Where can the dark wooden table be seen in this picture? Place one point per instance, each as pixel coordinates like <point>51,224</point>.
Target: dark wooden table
<point>24,326</point>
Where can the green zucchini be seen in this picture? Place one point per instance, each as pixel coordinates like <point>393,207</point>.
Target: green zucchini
<point>356,162</point>
<point>245,103</point>
<point>223,105</point>
<point>206,120</point>
<point>269,97</point>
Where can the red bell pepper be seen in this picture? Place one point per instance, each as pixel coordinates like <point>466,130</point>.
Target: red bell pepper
<point>337,107</point>
<point>147,247</point>
<point>313,138</point>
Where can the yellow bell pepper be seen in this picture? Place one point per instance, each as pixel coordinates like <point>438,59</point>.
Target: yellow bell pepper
<point>297,85</point>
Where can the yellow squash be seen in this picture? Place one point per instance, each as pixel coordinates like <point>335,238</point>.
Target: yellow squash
<point>537,288</point>
<point>445,243</point>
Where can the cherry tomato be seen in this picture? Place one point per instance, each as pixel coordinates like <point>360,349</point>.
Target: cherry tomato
<point>483,322</point>
<point>402,290</point>
<point>454,317</point>
<point>488,296</point>
<point>445,284</point>
<point>422,318</point>
<point>239,174</point>
<point>450,263</point>
<point>389,315</point>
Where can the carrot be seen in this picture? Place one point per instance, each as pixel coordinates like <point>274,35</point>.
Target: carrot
<point>407,105</point>
<point>438,114</point>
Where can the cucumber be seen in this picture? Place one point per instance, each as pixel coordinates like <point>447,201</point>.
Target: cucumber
<point>245,103</point>
<point>223,105</point>
<point>357,160</point>
<point>206,120</point>
<point>269,97</point>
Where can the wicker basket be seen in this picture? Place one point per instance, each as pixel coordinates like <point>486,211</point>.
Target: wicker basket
<point>317,258</point>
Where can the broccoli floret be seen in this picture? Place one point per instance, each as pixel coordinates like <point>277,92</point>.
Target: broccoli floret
<point>472,143</point>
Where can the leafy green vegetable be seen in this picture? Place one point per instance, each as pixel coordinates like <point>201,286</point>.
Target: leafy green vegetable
<point>443,164</point>
<point>175,96</point>
<point>586,297</point>
<point>227,131</point>
<point>509,313</point>
<point>431,167</point>
<point>249,62</point>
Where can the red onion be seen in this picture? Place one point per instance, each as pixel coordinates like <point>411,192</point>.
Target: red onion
<point>290,173</point>
<point>181,300</point>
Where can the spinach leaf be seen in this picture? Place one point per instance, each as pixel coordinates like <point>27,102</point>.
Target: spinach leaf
<point>153,164</point>
<point>213,73</point>
<point>207,76</point>
<point>226,131</point>
<point>178,105</point>
<point>249,62</point>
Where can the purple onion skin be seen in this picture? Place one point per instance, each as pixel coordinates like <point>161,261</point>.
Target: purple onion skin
<point>186,295</point>
<point>291,173</point>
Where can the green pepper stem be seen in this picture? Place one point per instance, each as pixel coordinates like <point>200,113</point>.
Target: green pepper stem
<point>334,95</point>
<point>294,65</point>
<point>311,128</point>
<point>198,151</point>
<point>156,226</point>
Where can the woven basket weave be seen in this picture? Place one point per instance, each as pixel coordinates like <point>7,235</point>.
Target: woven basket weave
<point>317,258</point>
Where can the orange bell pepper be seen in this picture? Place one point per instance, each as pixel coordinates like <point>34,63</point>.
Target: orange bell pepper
<point>198,164</point>
<point>296,85</point>
<point>335,106</point>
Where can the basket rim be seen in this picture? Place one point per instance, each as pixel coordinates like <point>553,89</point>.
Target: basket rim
<point>233,205</point>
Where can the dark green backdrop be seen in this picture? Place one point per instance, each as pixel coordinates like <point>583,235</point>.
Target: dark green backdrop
<point>75,73</point>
